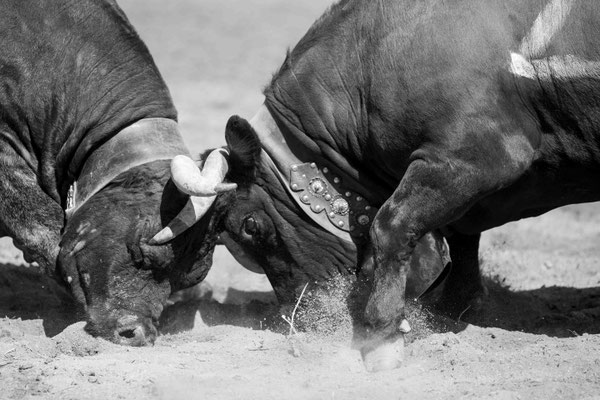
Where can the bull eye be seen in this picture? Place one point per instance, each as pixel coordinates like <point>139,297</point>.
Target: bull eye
<point>250,226</point>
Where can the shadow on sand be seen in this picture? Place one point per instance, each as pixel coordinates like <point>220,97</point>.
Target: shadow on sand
<point>554,311</point>
<point>28,294</point>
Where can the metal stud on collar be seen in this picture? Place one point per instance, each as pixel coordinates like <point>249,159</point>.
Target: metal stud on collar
<point>340,206</point>
<point>321,191</point>
<point>317,186</point>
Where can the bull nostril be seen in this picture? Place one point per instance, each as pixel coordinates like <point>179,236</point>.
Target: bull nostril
<point>127,333</point>
<point>134,336</point>
<point>132,330</point>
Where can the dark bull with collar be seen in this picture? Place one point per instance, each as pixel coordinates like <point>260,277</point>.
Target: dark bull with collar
<point>446,117</point>
<point>84,107</point>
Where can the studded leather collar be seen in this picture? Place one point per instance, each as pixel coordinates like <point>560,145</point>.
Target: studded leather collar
<point>322,194</point>
<point>147,140</point>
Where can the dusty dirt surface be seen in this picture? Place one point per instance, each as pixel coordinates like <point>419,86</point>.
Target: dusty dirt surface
<point>537,335</point>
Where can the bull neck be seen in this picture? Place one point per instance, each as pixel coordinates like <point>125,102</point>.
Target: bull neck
<point>330,197</point>
<point>147,140</point>
<point>307,149</point>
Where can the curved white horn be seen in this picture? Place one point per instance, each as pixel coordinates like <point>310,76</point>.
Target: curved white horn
<point>202,186</point>
<point>215,169</point>
<point>188,178</point>
<point>208,182</point>
<point>194,209</point>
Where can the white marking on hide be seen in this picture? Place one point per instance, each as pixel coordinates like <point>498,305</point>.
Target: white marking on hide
<point>80,245</point>
<point>546,25</point>
<point>566,67</point>
<point>555,67</point>
<point>520,66</point>
<point>69,279</point>
<point>86,279</point>
<point>83,228</point>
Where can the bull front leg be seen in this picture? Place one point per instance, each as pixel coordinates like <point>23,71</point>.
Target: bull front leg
<point>27,214</point>
<point>437,188</point>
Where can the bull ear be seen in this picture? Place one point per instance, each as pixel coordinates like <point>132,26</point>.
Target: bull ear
<point>244,147</point>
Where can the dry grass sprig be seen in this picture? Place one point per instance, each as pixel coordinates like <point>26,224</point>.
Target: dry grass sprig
<point>290,321</point>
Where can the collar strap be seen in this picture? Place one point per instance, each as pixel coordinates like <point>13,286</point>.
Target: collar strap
<point>322,196</point>
<point>146,140</point>
<point>320,190</point>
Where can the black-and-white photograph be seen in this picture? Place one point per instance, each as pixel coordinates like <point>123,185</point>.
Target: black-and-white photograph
<point>300,200</point>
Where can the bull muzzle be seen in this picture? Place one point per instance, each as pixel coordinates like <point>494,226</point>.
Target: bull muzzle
<point>201,185</point>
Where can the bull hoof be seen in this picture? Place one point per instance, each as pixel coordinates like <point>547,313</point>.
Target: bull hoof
<point>385,356</point>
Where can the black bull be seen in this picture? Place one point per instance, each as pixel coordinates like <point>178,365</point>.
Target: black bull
<point>81,101</point>
<point>447,117</point>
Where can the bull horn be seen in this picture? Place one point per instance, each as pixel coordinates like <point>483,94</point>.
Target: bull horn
<point>202,188</point>
<point>194,209</point>
<point>208,182</point>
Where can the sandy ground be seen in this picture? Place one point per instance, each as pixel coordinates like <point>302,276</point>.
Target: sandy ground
<point>536,337</point>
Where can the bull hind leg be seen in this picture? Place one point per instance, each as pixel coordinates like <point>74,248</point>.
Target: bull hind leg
<point>463,288</point>
<point>27,214</point>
